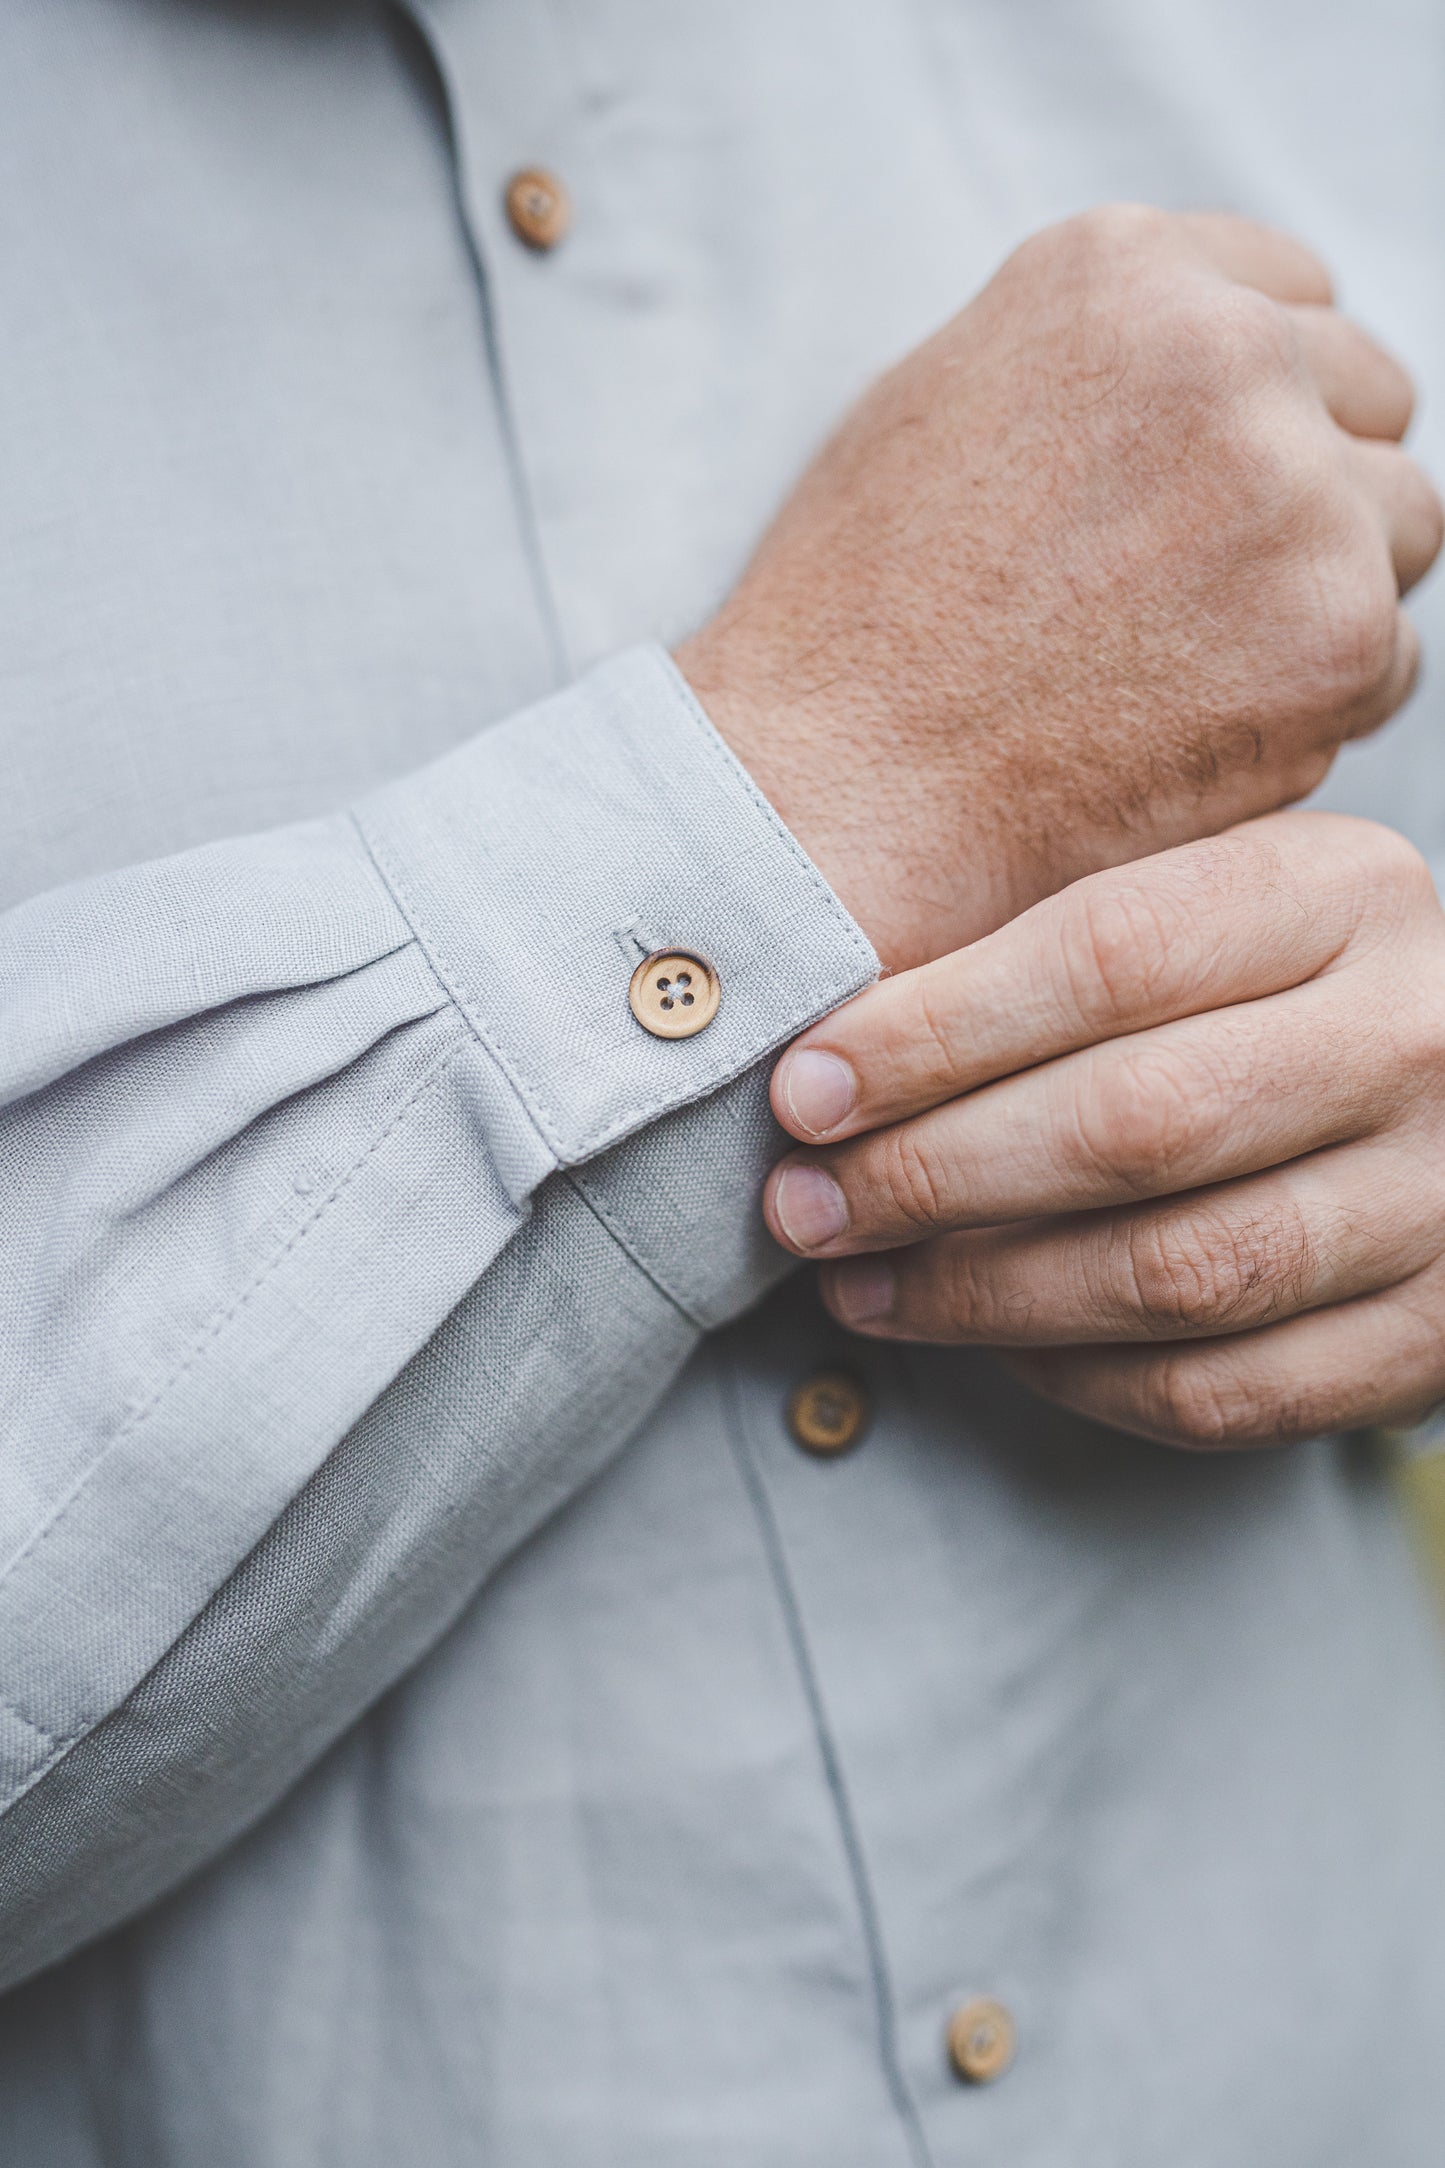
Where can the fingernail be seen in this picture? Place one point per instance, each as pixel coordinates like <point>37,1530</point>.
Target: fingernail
<point>809,1206</point>
<point>817,1090</point>
<point>862,1293</point>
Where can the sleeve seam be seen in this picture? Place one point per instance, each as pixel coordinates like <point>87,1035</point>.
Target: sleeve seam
<point>207,1339</point>
<point>606,1220</point>
<point>59,1744</point>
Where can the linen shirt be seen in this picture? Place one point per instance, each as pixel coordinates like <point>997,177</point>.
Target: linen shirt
<point>444,1717</point>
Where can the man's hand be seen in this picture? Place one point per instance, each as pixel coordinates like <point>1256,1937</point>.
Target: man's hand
<point>1177,1136</point>
<point>1109,563</point>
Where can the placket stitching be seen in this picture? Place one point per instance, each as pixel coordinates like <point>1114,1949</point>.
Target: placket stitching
<point>868,1919</point>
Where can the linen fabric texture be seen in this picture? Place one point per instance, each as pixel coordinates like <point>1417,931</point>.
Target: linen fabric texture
<point>443,1715</point>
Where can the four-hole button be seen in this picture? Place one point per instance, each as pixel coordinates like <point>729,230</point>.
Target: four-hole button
<point>674,994</point>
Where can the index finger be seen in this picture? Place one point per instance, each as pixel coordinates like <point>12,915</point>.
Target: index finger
<point>1227,920</point>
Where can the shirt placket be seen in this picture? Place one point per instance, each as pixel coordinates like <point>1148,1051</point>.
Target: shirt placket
<point>604,301</point>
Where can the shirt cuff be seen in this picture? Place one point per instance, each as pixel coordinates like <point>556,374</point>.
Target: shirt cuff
<point>543,860</point>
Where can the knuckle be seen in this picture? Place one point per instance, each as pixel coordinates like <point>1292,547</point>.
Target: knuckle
<point>1121,944</point>
<point>1215,1271</point>
<point>934,1029</point>
<point>976,1300</point>
<point>1129,938</point>
<point>1292,506</point>
<point>1135,1118</point>
<point>1406,661</point>
<point>1097,254</point>
<point>1337,616</point>
<point>1304,771</point>
<point>1339,876</point>
<point>1414,1042</point>
<point>1362,646</point>
<point>1188,1405</point>
<point>910,1180</point>
<point>1412,489</point>
<point>1203,1403</point>
<point>1394,906</point>
<point>1175,1284</point>
<point>1116,229</point>
<point>1253,337</point>
<point>1350,625</point>
<point>1214,346</point>
<point>1391,861</point>
<point>1393,383</point>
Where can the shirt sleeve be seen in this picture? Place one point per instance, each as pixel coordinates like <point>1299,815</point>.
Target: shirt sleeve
<point>350,1222</point>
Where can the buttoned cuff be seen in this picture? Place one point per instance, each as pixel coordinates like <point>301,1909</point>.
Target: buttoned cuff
<point>542,861</point>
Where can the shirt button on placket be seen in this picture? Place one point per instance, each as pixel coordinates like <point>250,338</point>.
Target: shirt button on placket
<point>539,209</point>
<point>829,1412</point>
<point>980,2040</point>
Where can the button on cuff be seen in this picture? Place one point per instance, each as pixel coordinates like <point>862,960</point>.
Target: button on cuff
<point>522,860</point>
<point>674,995</point>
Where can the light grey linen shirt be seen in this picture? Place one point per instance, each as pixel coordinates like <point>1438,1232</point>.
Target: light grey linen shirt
<point>444,1719</point>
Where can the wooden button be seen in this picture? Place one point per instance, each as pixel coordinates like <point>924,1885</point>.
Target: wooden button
<point>830,1412</point>
<point>538,207</point>
<point>674,994</point>
<point>980,2040</point>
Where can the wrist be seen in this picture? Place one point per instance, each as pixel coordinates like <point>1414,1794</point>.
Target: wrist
<point>852,791</point>
<point>800,764</point>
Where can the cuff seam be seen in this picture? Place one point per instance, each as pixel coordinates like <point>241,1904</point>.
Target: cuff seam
<point>390,876</point>
<point>530,1097</point>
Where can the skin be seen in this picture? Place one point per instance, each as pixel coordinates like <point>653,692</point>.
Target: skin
<point>1111,562</point>
<point>1175,1138</point>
